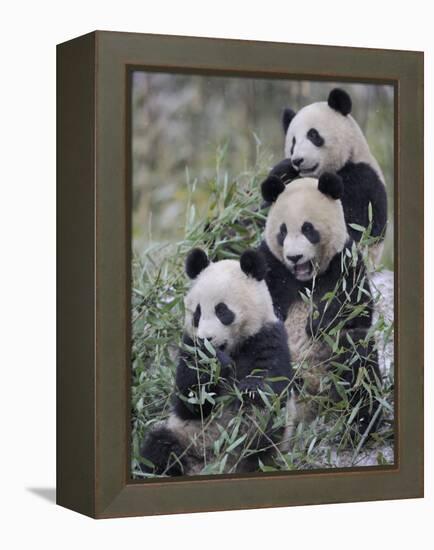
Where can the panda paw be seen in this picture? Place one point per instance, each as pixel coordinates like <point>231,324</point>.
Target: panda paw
<point>285,171</point>
<point>249,388</point>
<point>282,174</point>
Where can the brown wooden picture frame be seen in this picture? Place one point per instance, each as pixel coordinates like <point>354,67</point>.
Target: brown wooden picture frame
<point>94,210</point>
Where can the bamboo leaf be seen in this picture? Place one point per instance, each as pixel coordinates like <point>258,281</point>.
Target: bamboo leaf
<point>235,444</point>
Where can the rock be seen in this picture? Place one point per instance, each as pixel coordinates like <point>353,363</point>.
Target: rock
<point>382,287</point>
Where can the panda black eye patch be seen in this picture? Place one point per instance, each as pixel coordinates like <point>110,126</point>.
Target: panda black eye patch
<point>310,233</point>
<point>225,315</point>
<point>196,316</point>
<point>293,145</point>
<point>282,234</point>
<point>314,136</point>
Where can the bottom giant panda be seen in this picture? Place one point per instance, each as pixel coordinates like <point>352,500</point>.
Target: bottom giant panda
<point>319,286</point>
<point>233,379</point>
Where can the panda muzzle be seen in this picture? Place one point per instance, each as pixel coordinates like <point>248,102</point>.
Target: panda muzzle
<point>303,270</point>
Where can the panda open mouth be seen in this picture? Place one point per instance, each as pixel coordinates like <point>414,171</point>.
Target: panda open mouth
<point>303,271</point>
<point>304,171</point>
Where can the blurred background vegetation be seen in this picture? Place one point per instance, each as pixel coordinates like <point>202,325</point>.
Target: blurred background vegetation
<point>185,127</point>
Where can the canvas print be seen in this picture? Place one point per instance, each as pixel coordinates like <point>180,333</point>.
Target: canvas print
<point>262,298</point>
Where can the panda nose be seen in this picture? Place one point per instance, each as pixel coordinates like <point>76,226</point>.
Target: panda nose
<point>294,259</point>
<point>297,161</point>
<point>203,336</point>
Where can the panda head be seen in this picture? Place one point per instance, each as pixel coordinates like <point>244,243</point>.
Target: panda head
<point>321,136</point>
<point>228,300</point>
<point>305,226</point>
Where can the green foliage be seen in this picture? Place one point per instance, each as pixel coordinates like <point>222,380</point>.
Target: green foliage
<point>228,224</point>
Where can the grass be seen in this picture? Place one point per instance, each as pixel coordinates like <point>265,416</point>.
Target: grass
<point>230,224</point>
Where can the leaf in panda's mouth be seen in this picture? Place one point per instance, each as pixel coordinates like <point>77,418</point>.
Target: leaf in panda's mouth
<point>303,270</point>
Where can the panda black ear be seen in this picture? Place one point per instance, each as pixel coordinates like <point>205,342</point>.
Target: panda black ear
<point>287,116</point>
<point>196,262</point>
<point>253,264</point>
<point>340,101</point>
<point>331,185</point>
<point>271,188</point>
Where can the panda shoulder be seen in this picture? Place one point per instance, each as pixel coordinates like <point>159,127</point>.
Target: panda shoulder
<point>359,172</point>
<point>271,334</point>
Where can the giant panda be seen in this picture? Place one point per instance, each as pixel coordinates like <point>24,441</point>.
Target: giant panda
<point>324,137</point>
<point>234,359</point>
<point>319,286</point>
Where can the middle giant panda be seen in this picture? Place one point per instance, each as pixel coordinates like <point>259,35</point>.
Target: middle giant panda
<point>324,137</point>
<point>234,374</point>
<point>319,286</point>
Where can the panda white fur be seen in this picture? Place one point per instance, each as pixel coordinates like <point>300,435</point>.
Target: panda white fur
<point>319,286</point>
<point>324,137</point>
<point>229,306</point>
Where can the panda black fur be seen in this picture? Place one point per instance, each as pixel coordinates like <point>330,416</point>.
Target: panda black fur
<point>309,251</point>
<point>229,305</point>
<point>324,137</point>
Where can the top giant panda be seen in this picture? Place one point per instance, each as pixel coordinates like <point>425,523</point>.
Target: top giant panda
<point>324,137</point>
<point>221,391</point>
